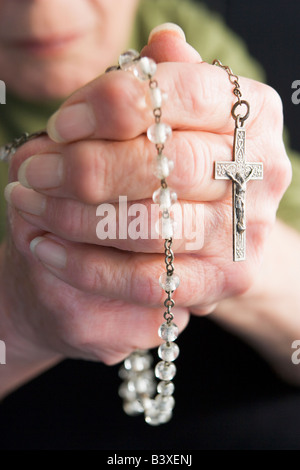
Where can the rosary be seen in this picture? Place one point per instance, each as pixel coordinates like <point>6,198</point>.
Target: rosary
<point>139,391</point>
<point>139,387</point>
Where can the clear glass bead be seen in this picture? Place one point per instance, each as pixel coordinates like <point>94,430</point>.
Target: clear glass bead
<point>165,227</point>
<point>145,68</point>
<point>162,167</point>
<point>154,416</point>
<point>165,197</point>
<point>126,392</point>
<point>144,385</point>
<point>165,403</point>
<point>133,408</point>
<point>165,388</point>
<point>165,370</point>
<point>164,417</point>
<point>158,133</point>
<point>137,362</point>
<point>156,97</point>
<point>128,59</point>
<point>168,351</point>
<point>125,374</point>
<point>168,332</point>
<point>169,283</point>
<point>146,402</point>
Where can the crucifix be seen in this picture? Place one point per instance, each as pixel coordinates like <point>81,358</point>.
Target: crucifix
<point>240,172</point>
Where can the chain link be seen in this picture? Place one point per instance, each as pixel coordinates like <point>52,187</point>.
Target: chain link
<point>169,259</point>
<point>234,80</point>
<point>8,150</point>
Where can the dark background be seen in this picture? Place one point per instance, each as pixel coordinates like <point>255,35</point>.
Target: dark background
<point>271,30</point>
<point>227,396</point>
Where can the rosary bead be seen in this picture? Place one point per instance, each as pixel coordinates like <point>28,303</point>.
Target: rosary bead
<point>156,97</point>
<point>144,385</point>
<point>127,392</point>
<point>168,351</point>
<point>165,370</point>
<point>144,68</point>
<point>162,167</point>
<point>137,362</point>
<point>155,416</point>
<point>125,374</point>
<point>128,59</point>
<point>164,197</point>
<point>152,413</point>
<point>165,388</point>
<point>139,384</point>
<point>169,283</point>
<point>133,408</point>
<point>164,417</point>
<point>159,132</point>
<point>168,331</point>
<point>165,227</point>
<point>165,403</point>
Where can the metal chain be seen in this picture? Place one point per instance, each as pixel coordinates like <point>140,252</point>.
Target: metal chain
<point>234,80</point>
<point>169,260</point>
<point>169,254</point>
<point>138,388</point>
<point>8,150</point>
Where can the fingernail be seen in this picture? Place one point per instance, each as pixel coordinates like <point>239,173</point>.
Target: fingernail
<point>49,252</point>
<point>71,123</point>
<point>24,199</point>
<point>41,171</point>
<point>170,27</point>
<point>8,190</point>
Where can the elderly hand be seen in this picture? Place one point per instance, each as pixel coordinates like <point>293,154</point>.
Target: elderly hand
<point>81,296</point>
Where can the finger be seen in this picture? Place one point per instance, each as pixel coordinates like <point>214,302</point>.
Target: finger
<point>167,43</point>
<point>133,226</point>
<point>130,226</point>
<point>113,107</point>
<point>134,277</point>
<point>85,326</point>
<point>94,172</point>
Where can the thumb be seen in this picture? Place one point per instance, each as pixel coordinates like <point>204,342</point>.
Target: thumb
<point>167,43</point>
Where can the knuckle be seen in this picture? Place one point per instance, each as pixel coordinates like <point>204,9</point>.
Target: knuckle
<point>117,102</point>
<point>284,172</point>
<point>81,338</point>
<point>245,278</point>
<point>143,287</point>
<point>92,341</point>
<point>93,276</point>
<point>203,310</point>
<point>67,218</point>
<point>258,233</point>
<point>272,105</point>
<point>191,169</point>
<point>89,174</point>
<point>280,172</point>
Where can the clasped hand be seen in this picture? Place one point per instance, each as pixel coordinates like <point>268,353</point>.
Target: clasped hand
<point>76,295</point>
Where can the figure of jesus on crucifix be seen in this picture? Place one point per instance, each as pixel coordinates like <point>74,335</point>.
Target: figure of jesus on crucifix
<point>240,194</point>
<point>240,172</point>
